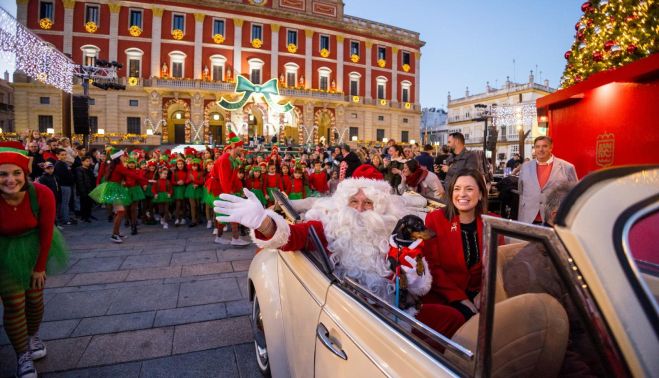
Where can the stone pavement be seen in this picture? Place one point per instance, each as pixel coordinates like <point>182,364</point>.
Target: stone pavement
<point>165,303</point>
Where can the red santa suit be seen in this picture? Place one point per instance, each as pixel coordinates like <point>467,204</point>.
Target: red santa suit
<point>228,174</point>
<point>323,218</point>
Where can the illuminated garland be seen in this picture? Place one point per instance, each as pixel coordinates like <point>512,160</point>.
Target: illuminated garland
<point>406,67</point>
<point>135,31</point>
<point>324,53</point>
<point>33,56</point>
<point>91,27</point>
<point>292,48</point>
<point>382,63</point>
<point>611,34</point>
<point>46,23</point>
<point>354,58</point>
<point>515,115</point>
<point>218,38</point>
<point>257,43</point>
<point>177,34</point>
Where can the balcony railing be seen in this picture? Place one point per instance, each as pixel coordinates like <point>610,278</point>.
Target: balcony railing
<point>311,93</point>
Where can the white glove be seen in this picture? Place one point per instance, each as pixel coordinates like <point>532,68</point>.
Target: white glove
<point>417,285</point>
<point>248,212</point>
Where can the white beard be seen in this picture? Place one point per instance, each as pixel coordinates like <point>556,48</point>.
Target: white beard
<point>359,243</point>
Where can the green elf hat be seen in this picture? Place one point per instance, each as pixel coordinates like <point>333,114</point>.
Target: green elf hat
<point>234,141</point>
<point>131,160</point>
<point>115,153</point>
<point>196,161</point>
<point>256,168</point>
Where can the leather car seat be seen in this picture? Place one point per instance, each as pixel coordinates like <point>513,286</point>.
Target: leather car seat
<point>530,336</point>
<point>504,254</point>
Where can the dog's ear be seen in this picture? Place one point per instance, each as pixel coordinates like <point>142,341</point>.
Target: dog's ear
<point>399,226</point>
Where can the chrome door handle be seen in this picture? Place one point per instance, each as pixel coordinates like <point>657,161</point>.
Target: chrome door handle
<point>323,334</point>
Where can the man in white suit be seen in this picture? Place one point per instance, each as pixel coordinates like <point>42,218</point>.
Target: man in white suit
<point>538,177</point>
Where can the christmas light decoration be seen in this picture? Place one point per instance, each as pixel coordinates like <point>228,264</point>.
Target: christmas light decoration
<point>382,63</point>
<point>135,31</point>
<point>33,56</point>
<point>292,48</point>
<point>218,38</point>
<point>257,43</point>
<point>324,53</point>
<point>514,115</point>
<point>91,27</point>
<point>354,58</point>
<point>46,23</point>
<point>177,34</point>
<point>611,34</point>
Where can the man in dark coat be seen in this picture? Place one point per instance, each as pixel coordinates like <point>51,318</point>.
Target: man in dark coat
<point>85,183</point>
<point>424,159</point>
<point>351,159</point>
<point>37,160</point>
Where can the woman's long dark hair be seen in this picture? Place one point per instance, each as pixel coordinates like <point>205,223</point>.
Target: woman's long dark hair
<point>111,167</point>
<point>481,208</point>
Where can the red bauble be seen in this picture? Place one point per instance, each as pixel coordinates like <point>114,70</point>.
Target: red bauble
<point>586,7</point>
<point>580,35</point>
<point>597,56</point>
<point>570,66</point>
<point>578,78</point>
<point>577,25</point>
<point>567,54</point>
<point>631,48</point>
<point>608,44</point>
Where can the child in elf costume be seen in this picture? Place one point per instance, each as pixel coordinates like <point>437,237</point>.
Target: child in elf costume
<point>163,190</point>
<point>136,194</point>
<point>318,179</point>
<point>286,181</point>
<point>256,184</point>
<point>299,184</point>
<point>151,175</point>
<point>272,181</point>
<point>195,190</point>
<point>208,195</point>
<point>180,180</point>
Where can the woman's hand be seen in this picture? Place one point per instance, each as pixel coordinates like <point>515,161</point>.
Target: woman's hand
<point>395,171</point>
<point>38,280</point>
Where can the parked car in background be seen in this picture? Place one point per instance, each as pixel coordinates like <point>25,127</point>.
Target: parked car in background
<point>598,313</point>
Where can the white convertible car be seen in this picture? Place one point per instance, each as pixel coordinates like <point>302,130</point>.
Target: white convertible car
<point>594,312</point>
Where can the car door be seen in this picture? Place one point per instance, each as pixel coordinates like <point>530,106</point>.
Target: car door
<point>304,278</point>
<point>359,336</point>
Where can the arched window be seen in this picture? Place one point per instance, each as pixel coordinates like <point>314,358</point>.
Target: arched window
<point>291,74</point>
<point>354,83</point>
<point>89,55</point>
<point>405,86</point>
<point>177,63</point>
<point>255,70</point>
<point>324,74</point>
<point>382,87</point>
<point>218,62</point>
<point>134,62</point>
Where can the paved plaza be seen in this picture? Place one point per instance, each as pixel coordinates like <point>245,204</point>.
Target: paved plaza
<point>165,303</point>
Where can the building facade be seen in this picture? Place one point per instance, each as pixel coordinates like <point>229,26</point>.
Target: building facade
<point>344,76</point>
<point>511,109</point>
<point>434,126</point>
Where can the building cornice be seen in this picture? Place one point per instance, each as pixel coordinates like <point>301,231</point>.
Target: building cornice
<point>504,92</point>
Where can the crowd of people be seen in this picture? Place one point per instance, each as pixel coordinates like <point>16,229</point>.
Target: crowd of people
<point>49,184</point>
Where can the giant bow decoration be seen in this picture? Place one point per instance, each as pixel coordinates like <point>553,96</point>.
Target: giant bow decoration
<point>247,88</point>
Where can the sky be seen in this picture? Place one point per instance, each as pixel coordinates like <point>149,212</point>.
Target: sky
<point>471,42</point>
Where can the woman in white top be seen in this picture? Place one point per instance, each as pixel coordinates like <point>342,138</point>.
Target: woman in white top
<point>419,179</point>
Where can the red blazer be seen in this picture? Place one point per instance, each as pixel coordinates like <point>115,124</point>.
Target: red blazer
<point>318,182</point>
<point>450,277</point>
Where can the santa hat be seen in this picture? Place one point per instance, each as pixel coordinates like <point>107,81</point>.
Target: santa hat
<point>14,153</point>
<point>234,141</point>
<point>367,171</point>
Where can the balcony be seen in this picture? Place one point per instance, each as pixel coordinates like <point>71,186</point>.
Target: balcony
<point>311,93</point>
<point>6,107</point>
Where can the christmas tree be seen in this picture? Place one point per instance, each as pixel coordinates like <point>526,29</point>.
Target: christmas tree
<point>611,34</point>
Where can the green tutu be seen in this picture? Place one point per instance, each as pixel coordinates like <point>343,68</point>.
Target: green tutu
<point>194,193</point>
<point>148,193</point>
<point>179,192</point>
<point>162,197</point>
<point>111,193</point>
<point>18,256</point>
<point>259,194</point>
<point>294,196</point>
<point>209,198</point>
<point>136,193</point>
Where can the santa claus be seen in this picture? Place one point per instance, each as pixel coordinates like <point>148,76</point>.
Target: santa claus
<point>354,224</point>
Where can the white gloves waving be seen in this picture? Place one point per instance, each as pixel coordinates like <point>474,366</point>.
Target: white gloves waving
<point>417,285</point>
<point>249,212</point>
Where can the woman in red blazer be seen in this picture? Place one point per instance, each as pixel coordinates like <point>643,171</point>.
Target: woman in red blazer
<point>454,255</point>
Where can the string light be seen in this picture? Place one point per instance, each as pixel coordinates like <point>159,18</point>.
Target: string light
<point>514,115</point>
<point>33,56</point>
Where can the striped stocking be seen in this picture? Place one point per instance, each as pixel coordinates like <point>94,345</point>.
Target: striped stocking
<point>34,310</point>
<point>15,323</point>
